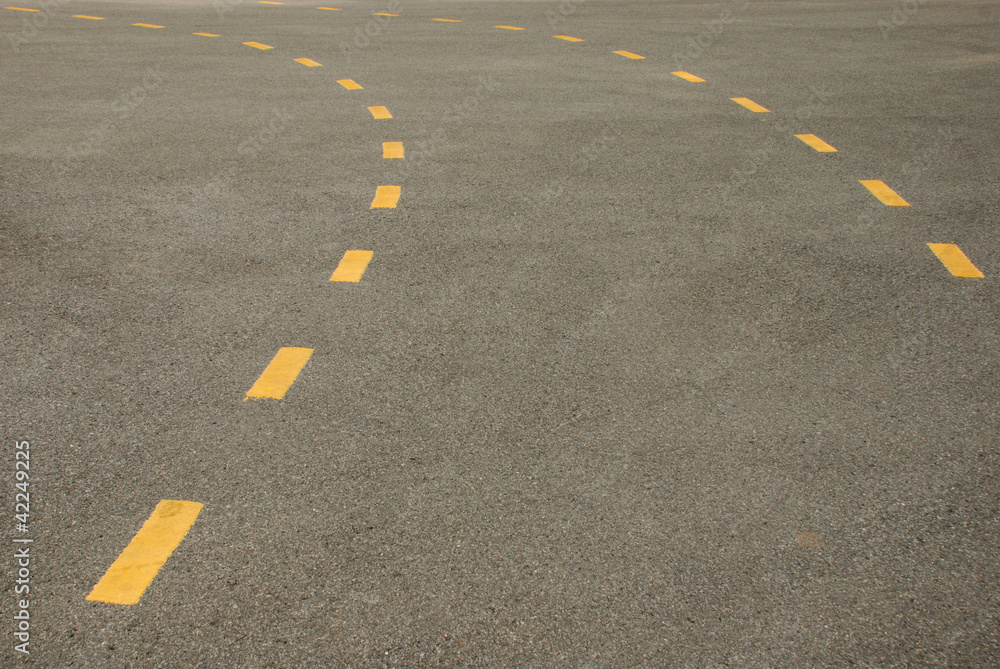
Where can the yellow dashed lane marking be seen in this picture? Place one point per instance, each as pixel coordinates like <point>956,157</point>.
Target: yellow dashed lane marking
<point>392,149</point>
<point>129,576</point>
<point>352,266</point>
<point>258,45</point>
<point>568,38</point>
<point>690,77</point>
<point>206,34</point>
<point>448,20</point>
<point>509,27</point>
<point>269,2</point>
<point>350,84</point>
<point>84,16</point>
<point>386,197</point>
<point>817,143</point>
<point>146,25</point>
<point>22,9</point>
<point>629,54</point>
<point>887,195</point>
<point>383,14</point>
<point>308,62</point>
<point>332,9</point>
<point>956,261</point>
<point>280,374</point>
<point>379,112</point>
<point>750,104</point>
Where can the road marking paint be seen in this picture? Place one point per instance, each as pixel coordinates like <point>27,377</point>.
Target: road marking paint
<point>629,54</point>
<point>687,75</point>
<point>509,27</point>
<point>206,34</point>
<point>887,195</point>
<point>258,45</point>
<point>817,143</point>
<point>308,62</point>
<point>386,197</point>
<point>268,2</point>
<point>392,149</point>
<point>23,9</point>
<point>750,104</point>
<point>352,266</point>
<point>146,25</point>
<point>379,112</point>
<point>568,38</point>
<point>350,84</point>
<point>448,20</point>
<point>129,576</point>
<point>956,261</point>
<point>383,14</point>
<point>280,374</point>
<point>332,9</point>
<point>84,16</point>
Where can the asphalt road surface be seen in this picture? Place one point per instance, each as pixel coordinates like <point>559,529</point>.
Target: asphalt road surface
<point>608,369</point>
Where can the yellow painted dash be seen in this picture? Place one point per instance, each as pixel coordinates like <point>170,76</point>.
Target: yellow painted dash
<point>687,75</point>
<point>350,84</point>
<point>308,62</point>
<point>258,45</point>
<point>84,16</point>
<point>392,149</point>
<point>887,195</point>
<point>386,197</point>
<point>448,20</point>
<point>568,38</point>
<point>352,266</point>
<point>750,104</point>
<point>332,9</point>
<point>22,9</point>
<point>379,112</point>
<point>206,34</point>
<point>129,576</point>
<point>956,261</point>
<point>817,143</point>
<point>383,14</point>
<point>280,374</point>
<point>509,27</point>
<point>629,54</point>
<point>269,2</point>
<point>146,25</point>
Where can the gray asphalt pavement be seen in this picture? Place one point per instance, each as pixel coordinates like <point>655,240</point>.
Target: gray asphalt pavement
<point>634,378</point>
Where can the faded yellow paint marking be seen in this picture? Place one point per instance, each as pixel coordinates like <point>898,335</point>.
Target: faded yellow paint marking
<point>887,195</point>
<point>308,62</point>
<point>129,576</point>
<point>750,104</point>
<point>629,54</point>
<point>269,2</point>
<point>146,25</point>
<point>84,16</point>
<point>509,27</point>
<point>280,374</point>
<point>352,266</point>
<point>448,20</point>
<point>379,112</point>
<point>392,149</point>
<point>22,9</point>
<point>206,34</point>
<point>386,197</point>
<point>956,261</point>
<point>258,45</point>
<point>687,75</point>
<point>383,14</point>
<point>568,38</point>
<point>817,143</point>
<point>332,9</point>
<point>350,84</point>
